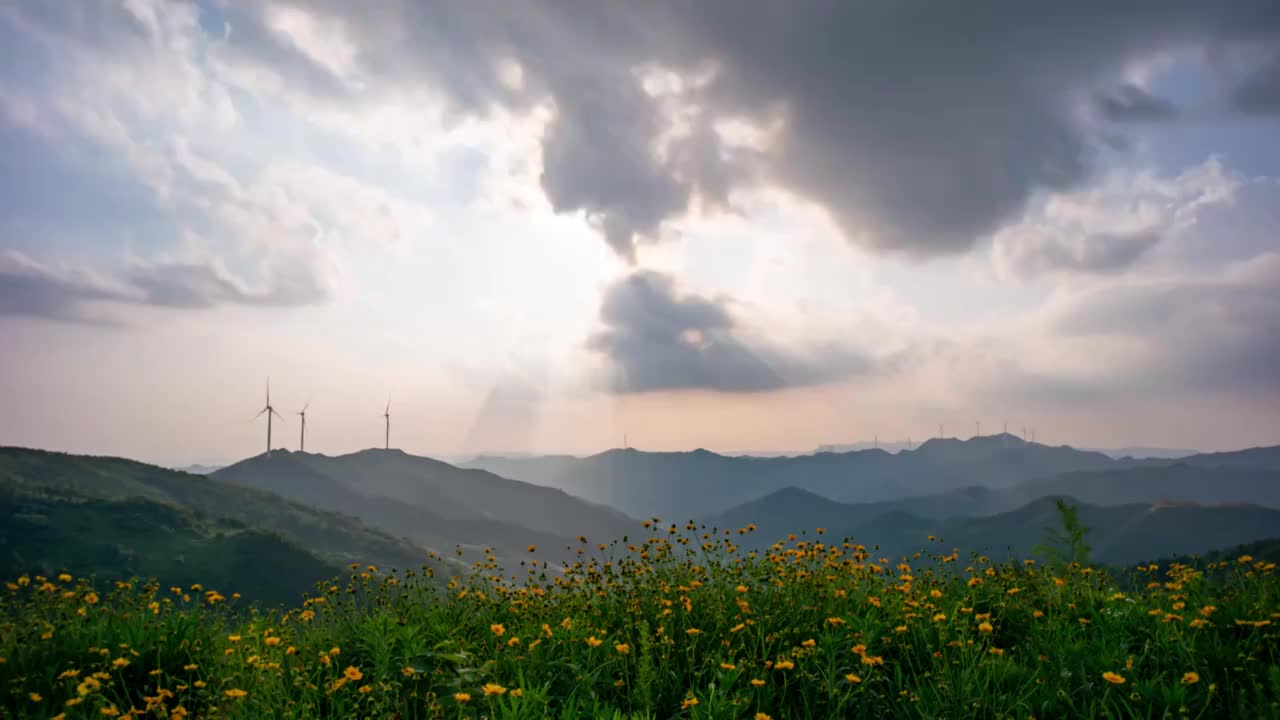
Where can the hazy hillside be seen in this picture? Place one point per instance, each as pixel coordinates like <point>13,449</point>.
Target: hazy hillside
<point>434,503</point>
<point>1120,535</point>
<point>705,484</point>
<point>794,510</point>
<point>683,485</point>
<point>114,517</point>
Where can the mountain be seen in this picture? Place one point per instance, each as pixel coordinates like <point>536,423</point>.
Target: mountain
<point>690,484</point>
<point>432,502</point>
<point>793,510</point>
<point>114,518</point>
<point>1119,535</point>
<point>680,485</point>
<point>199,469</point>
<point>1141,452</point>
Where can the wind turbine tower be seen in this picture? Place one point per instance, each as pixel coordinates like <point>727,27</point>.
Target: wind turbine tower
<point>387,414</point>
<point>302,441</point>
<point>269,412</point>
<point>977,428</point>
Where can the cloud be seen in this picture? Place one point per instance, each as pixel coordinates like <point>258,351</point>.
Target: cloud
<point>1209,333</point>
<point>1259,93</point>
<point>919,127</point>
<point>657,338</point>
<point>32,289</point>
<point>1101,252</point>
<point>1116,223</point>
<point>1131,102</point>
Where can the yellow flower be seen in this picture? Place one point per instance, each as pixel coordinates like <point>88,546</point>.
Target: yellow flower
<point>594,642</point>
<point>688,702</point>
<point>737,627</point>
<point>940,617</point>
<point>365,689</point>
<point>233,638</point>
<point>91,598</point>
<point>1113,678</point>
<point>728,666</point>
<point>985,628</point>
<point>622,648</point>
<point>809,643</point>
<point>900,629</point>
<point>763,716</point>
<point>1190,678</point>
<point>353,673</point>
<point>68,674</point>
<point>1245,559</point>
<point>35,697</point>
<point>859,649</point>
<point>273,640</point>
<point>996,651</point>
<point>119,663</point>
<point>1037,614</point>
<point>757,682</point>
<point>493,689</point>
<point>461,697</point>
<point>872,660</point>
<point>64,577</point>
<point>517,693</point>
<point>741,588</point>
<point>110,711</point>
<point>784,665</point>
<point>853,678</point>
<point>497,629</point>
<point>234,693</point>
<point>533,548</point>
<point>692,631</point>
<point>407,671</point>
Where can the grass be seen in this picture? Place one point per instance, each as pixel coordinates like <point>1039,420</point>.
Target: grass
<point>680,623</point>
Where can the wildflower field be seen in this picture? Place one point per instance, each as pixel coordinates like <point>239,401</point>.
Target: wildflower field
<point>680,623</point>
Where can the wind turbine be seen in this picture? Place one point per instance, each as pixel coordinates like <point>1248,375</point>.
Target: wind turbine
<point>302,441</point>
<point>387,414</point>
<point>269,411</point>
<point>977,428</point>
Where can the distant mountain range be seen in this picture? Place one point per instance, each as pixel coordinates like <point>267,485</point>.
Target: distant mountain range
<point>794,510</point>
<point>1117,453</point>
<point>115,518</point>
<point>431,502</point>
<point>199,469</point>
<point>701,483</point>
<point>1120,534</point>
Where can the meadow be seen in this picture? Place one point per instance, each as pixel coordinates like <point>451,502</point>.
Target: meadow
<point>678,623</point>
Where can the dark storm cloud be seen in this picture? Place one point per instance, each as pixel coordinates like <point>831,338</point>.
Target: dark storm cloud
<point>920,126</point>
<point>656,338</point>
<point>29,288</point>
<point>1259,93</point>
<point>1130,102</point>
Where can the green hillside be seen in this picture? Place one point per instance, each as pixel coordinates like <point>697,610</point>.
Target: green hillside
<point>433,503</point>
<point>115,518</point>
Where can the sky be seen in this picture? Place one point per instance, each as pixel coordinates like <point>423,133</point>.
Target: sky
<point>544,226</point>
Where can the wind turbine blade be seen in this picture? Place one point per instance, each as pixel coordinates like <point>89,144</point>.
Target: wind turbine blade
<point>255,417</point>
<point>304,407</point>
